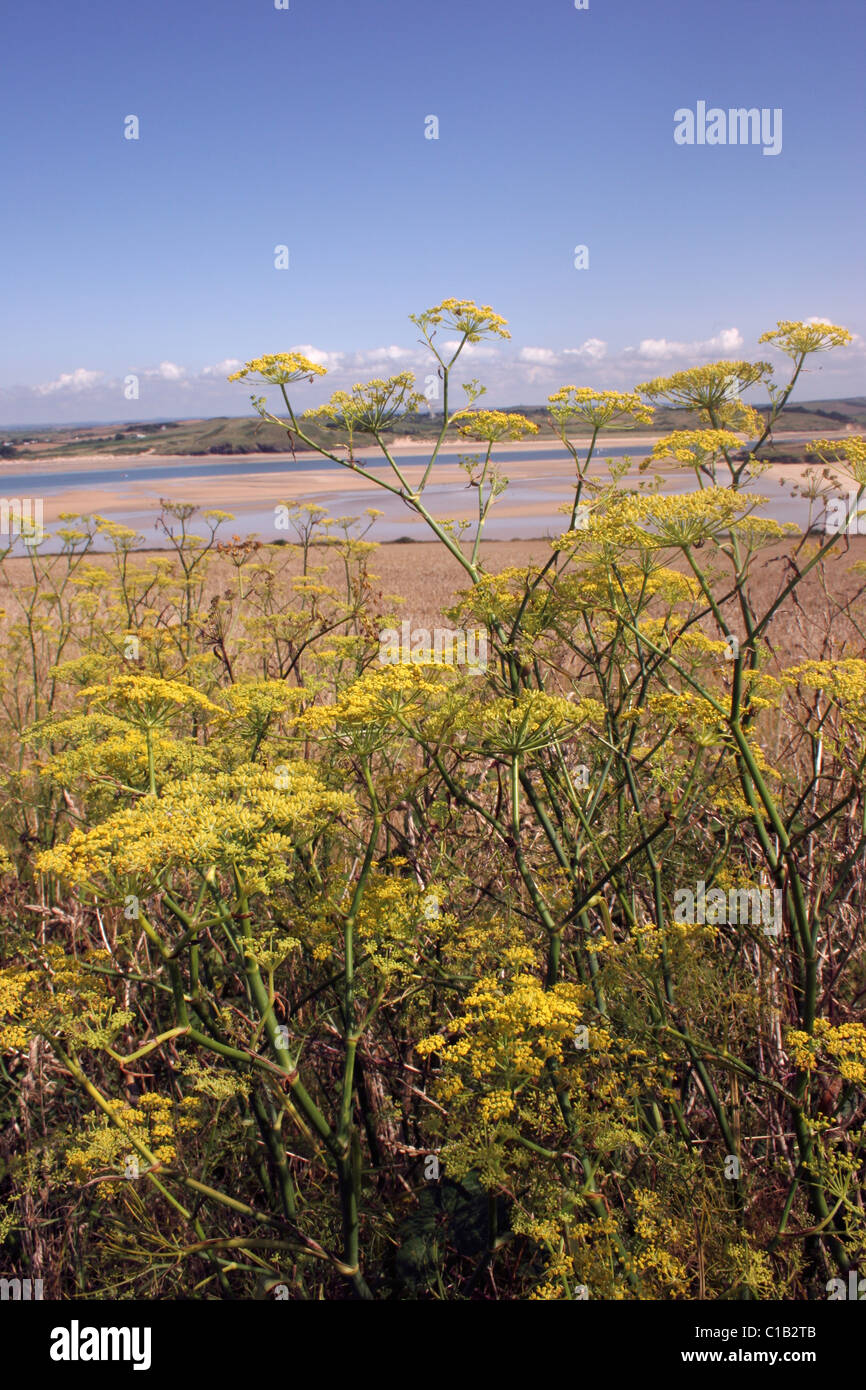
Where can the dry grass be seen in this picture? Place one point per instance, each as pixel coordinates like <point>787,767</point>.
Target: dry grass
<point>428,580</point>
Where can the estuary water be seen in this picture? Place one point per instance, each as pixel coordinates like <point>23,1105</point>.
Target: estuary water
<point>250,487</point>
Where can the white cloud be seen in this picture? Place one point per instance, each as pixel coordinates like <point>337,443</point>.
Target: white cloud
<point>539,356</point>
<point>511,374</point>
<point>382,354</point>
<point>222,369</point>
<point>329,360</point>
<point>729,340</point>
<point>481,351</point>
<point>593,348</point>
<point>665,349</point>
<point>166,371</point>
<point>657,349</point>
<point>81,379</point>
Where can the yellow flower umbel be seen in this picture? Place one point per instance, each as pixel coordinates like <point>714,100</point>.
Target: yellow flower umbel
<point>494,1059</point>
<point>843,1047</point>
<point>687,519</point>
<point>146,701</point>
<point>105,749</point>
<point>490,426</point>
<point>16,1023</point>
<point>371,407</point>
<point>278,369</point>
<point>66,997</point>
<point>535,720</point>
<point>678,520</point>
<point>252,818</point>
<point>849,455</point>
<point>697,449</point>
<point>382,699</point>
<point>843,681</point>
<point>258,706</point>
<point>706,389</point>
<point>465,317</point>
<point>796,339</point>
<point>104,1143</point>
<point>597,409</point>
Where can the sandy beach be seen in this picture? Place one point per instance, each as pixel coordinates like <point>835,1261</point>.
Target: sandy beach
<point>250,488</point>
<point>537,488</point>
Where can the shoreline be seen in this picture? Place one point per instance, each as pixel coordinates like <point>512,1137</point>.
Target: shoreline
<point>535,505</point>
<point>331,487</point>
<point>65,463</point>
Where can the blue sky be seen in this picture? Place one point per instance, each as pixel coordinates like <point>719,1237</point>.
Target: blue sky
<point>306,127</point>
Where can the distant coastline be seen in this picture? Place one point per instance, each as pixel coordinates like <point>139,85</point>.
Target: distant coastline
<point>541,484</point>
<point>245,436</point>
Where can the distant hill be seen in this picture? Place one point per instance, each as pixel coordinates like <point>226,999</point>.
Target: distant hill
<point>243,435</point>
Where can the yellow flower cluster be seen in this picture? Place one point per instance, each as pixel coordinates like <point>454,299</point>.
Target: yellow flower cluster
<point>252,817</point>
<point>499,594</point>
<point>509,1029</point>
<point>685,519</point>
<point>105,746</point>
<point>370,407</point>
<point>850,453</point>
<point>590,588</point>
<point>147,700</point>
<point>597,408</point>
<point>843,1044</point>
<point>380,695</point>
<point>154,1123</point>
<point>260,705</point>
<point>15,985</point>
<point>493,425</point>
<point>695,447</point>
<point>532,721</point>
<point>660,1235</point>
<point>706,388</point>
<point>667,633</point>
<point>497,1105</point>
<point>755,531</point>
<point>397,920</point>
<point>270,948</point>
<point>463,316</point>
<point>843,681</point>
<point>278,368</point>
<point>62,998</point>
<point>795,338</point>
<point>656,521</point>
<point>686,711</point>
